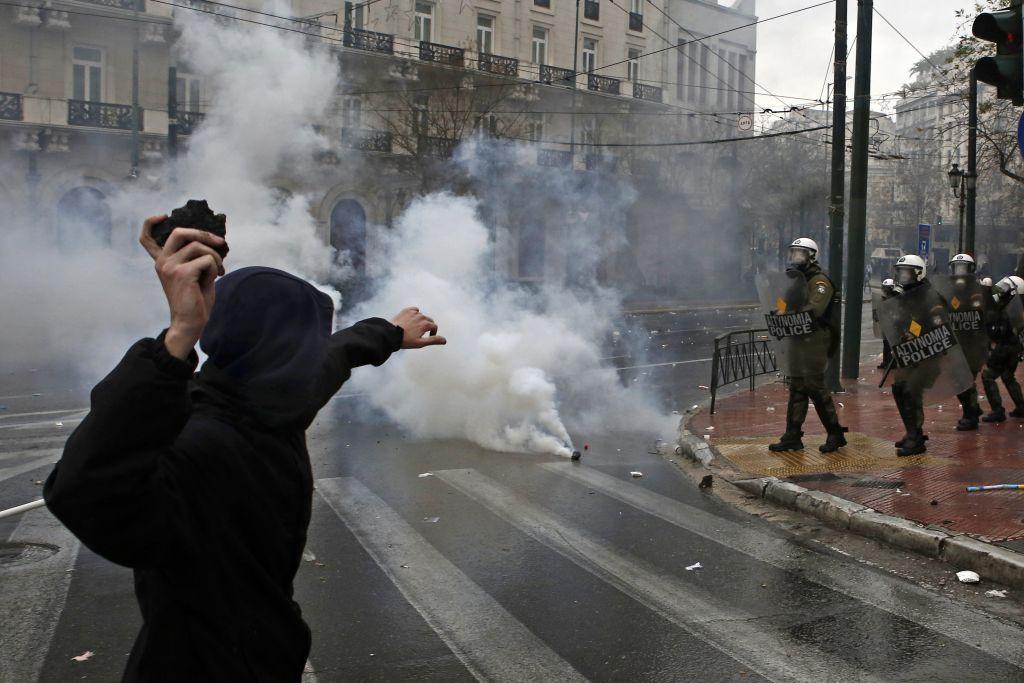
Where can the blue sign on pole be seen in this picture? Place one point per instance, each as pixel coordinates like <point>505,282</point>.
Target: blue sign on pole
<point>1020,135</point>
<point>924,240</point>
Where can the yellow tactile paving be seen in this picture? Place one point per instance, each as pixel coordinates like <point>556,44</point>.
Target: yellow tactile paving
<point>863,453</point>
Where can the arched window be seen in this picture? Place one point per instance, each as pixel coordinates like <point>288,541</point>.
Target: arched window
<point>348,232</point>
<point>83,219</point>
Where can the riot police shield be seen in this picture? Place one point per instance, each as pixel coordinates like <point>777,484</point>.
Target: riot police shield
<point>876,302</point>
<point>968,302</point>
<point>1015,312</point>
<point>800,345</point>
<point>927,356</point>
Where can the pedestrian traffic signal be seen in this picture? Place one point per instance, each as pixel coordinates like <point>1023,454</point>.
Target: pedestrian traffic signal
<point>1005,70</point>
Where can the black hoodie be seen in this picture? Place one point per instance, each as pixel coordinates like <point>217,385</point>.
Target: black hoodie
<point>204,487</point>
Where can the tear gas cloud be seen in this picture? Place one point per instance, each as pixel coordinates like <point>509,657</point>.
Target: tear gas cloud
<point>522,369</point>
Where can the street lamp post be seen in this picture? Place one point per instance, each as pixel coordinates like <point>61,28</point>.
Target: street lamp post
<point>960,181</point>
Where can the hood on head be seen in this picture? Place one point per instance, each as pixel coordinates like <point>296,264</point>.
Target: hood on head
<point>266,343</point>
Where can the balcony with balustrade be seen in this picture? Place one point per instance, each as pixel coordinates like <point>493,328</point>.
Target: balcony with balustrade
<point>101,115</point>
<point>555,75</point>
<point>370,41</point>
<point>643,91</point>
<point>496,64</point>
<point>366,139</point>
<point>12,107</point>
<point>188,121</point>
<point>554,158</point>
<point>603,84</point>
<point>442,54</point>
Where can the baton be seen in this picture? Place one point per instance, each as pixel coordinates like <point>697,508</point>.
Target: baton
<point>22,508</point>
<point>888,369</point>
<point>995,487</point>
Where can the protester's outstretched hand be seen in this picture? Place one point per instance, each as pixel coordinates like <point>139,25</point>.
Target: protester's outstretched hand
<point>187,267</point>
<point>414,326</point>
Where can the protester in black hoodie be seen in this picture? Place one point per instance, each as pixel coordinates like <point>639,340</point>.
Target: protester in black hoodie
<point>202,483</point>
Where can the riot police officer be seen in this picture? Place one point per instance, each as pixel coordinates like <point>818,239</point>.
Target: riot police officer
<point>1004,329</point>
<point>962,268</point>
<point>822,343</point>
<point>910,382</point>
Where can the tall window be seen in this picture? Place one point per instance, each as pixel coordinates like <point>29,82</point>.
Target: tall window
<point>356,13</point>
<point>705,59</point>
<point>485,34</point>
<point>540,45</point>
<point>724,82</point>
<point>424,21</point>
<point>633,64</point>
<point>589,54</point>
<point>636,6</point>
<point>535,127</point>
<point>187,92</point>
<point>487,126</point>
<point>352,112</point>
<point>87,74</point>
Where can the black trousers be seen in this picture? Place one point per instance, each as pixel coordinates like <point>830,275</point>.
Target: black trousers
<point>803,391</point>
<point>1002,364</point>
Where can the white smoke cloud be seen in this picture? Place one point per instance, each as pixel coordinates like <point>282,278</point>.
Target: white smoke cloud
<point>519,372</point>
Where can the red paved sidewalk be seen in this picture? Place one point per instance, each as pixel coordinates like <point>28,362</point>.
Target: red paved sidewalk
<point>929,489</point>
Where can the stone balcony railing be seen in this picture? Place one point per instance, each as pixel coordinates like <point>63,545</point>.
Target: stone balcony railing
<point>555,75</point>
<point>371,41</point>
<point>442,54</point>
<point>120,4</point>
<point>496,64</point>
<point>188,121</point>
<point>366,139</point>
<point>101,115</point>
<point>554,158</point>
<point>643,91</point>
<point>440,148</point>
<point>603,84</point>
<point>11,106</point>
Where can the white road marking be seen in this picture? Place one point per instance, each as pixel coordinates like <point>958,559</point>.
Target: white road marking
<point>53,453</point>
<point>18,470</point>
<point>658,365</point>
<point>893,595</point>
<point>691,608</point>
<point>32,596</point>
<point>488,640</point>
<point>7,416</point>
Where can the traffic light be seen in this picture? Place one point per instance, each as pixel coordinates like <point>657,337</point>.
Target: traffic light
<point>1005,71</point>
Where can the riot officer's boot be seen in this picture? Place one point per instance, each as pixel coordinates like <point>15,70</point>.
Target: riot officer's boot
<point>835,439</point>
<point>997,415</point>
<point>899,397</point>
<point>1013,388</point>
<point>914,444</point>
<point>969,421</point>
<point>1017,412</point>
<point>792,440</point>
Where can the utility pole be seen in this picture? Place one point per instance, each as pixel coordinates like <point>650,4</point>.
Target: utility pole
<point>972,163</point>
<point>134,172</point>
<point>172,121</point>
<point>836,209</point>
<point>858,193</point>
<point>575,72</point>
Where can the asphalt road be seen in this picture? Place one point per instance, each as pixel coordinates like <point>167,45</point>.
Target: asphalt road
<point>441,560</point>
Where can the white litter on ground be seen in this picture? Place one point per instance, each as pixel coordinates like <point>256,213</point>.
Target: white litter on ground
<point>636,475</point>
<point>996,594</point>
<point>85,656</point>
<point>694,566</point>
<point>425,474</point>
<point>968,577</point>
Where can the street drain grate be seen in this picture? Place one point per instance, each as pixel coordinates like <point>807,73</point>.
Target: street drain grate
<point>878,484</point>
<point>819,476</point>
<point>20,554</point>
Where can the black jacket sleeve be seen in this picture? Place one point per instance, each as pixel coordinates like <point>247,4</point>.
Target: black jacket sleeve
<point>118,484</point>
<point>368,342</point>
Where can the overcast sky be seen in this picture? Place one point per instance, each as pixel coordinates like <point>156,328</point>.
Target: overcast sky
<point>793,53</point>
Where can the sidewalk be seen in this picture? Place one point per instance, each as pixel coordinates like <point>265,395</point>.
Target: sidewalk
<point>929,489</point>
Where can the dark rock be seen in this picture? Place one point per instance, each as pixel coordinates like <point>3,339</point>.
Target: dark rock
<point>195,214</point>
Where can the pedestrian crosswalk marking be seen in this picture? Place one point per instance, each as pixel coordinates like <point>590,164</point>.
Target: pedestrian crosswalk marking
<point>691,608</point>
<point>24,468</point>
<point>890,594</point>
<point>485,637</point>
<point>33,596</point>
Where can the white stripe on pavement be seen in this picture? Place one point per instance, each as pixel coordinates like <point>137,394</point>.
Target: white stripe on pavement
<point>52,453</point>
<point>488,640</point>
<point>691,608</point>
<point>890,594</point>
<point>32,596</point>
<point>18,470</point>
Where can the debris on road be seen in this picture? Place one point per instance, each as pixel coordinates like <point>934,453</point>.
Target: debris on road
<point>84,657</point>
<point>425,474</point>
<point>707,482</point>
<point>60,424</point>
<point>576,455</point>
<point>636,475</point>
<point>968,577</point>
<point>996,594</point>
<point>703,386</point>
<point>694,566</point>
<point>996,487</point>
<point>431,520</point>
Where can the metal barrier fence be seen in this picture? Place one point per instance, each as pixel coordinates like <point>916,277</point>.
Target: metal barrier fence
<point>739,356</point>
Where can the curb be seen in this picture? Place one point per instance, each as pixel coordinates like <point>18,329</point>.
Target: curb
<point>960,550</point>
